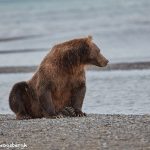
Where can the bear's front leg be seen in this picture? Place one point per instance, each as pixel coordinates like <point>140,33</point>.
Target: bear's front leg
<point>78,94</point>
<point>46,103</point>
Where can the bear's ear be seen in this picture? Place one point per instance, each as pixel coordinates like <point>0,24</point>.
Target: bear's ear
<point>89,38</point>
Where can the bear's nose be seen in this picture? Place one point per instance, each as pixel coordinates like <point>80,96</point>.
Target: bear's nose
<point>107,61</point>
<point>104,63</point>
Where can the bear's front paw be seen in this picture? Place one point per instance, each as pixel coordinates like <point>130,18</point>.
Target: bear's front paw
<point>79,113</point>
<point>59,116</point>
<point>68,111</point>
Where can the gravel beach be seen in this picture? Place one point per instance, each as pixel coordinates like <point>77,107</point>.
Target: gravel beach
<point>114,132</point>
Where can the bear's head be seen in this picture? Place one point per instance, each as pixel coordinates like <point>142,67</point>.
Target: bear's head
<point>79,52</point>
<point>95,56</point>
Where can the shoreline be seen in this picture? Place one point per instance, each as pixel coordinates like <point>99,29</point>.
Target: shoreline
<point>15,51</point>
<point>110,67</point>
<point>92,132</point>
<point>16,38</point>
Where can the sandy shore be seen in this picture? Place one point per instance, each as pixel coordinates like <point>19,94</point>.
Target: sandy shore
<point>114,132</point>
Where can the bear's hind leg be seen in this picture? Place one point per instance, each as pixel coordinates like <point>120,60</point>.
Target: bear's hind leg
<point>19,101</point>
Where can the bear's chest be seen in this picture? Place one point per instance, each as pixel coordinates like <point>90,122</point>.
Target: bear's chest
<point>63,88</point>
<point>61,95</point>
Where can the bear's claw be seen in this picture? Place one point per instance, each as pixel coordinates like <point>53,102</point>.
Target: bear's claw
<point>79,113</point>
<point>70,110</point>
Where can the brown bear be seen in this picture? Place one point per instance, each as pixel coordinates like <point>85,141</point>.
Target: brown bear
<point>59,85</point>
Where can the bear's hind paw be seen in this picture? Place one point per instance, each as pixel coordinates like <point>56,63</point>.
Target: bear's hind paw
<point>23,117</point>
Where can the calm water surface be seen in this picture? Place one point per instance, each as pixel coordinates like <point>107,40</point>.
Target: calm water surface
<point>126,92</point>
<point>120,28</point>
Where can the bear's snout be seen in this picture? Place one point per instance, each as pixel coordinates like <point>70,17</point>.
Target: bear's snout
<point>104,63</point>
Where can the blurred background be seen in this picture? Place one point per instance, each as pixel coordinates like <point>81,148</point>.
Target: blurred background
<point>121,28</point>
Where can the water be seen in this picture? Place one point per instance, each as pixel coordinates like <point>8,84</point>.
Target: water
<point>113,92</point>
<point>109,92</point>
<point>120,28</point>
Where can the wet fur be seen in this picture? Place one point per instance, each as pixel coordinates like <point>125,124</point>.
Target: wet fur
<point>59,82</point>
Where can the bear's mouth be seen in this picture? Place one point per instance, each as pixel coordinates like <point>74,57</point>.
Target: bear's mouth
<point>99,63</point>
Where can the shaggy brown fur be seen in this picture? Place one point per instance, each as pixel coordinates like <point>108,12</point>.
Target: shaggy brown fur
<point>58,86</point>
